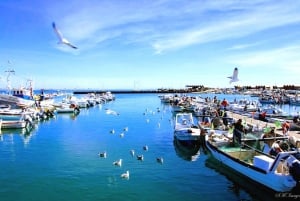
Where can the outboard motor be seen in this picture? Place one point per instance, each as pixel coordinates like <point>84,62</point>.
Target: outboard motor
<point>28,120</point>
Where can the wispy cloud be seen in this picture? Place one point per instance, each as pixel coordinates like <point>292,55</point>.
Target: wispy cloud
<point>167,24</point>
<point>285,59</point>
<point>243,46</point>
<point>230,24</point>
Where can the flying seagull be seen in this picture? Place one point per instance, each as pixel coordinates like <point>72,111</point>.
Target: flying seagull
<point>234,77</point>
<point>61,38</point>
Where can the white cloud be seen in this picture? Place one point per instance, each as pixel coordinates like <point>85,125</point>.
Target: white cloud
<point>169,24</point>
<point>285,58</point>
<point>230,24</point>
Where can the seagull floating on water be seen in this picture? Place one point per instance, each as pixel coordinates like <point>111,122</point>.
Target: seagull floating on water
<point>125,175</point>
<point>234,77</point>
<point>160,160</point>
<point>140,157</point>
<point>132,152</point>
<point>118,163</point>
<point>61,39</point>
<point>145,148</point>
<point>102,154</point>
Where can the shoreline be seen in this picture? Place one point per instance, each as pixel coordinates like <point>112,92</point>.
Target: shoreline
<point>131,91</point>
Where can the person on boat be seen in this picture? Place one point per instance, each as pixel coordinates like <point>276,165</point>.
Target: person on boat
<point>262,116</point>
<point>275,149</point>
<point>269,134</point>
<point>285,128</point>
<point>268,143</point>
<point>206,122</point>
<point>238,131</point>
<point>224,103</point>
<point>225,118</point>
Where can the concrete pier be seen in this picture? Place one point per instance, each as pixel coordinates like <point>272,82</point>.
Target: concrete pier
<point>262,124</point>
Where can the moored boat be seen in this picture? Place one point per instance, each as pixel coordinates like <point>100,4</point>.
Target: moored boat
<point>280,173</point>
<point>185,129</point>
<point>22,97</point>
<point>67,108</point>
<point>13,124</point>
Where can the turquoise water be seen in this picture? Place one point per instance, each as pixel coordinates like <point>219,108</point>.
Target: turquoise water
<point>59,159</point>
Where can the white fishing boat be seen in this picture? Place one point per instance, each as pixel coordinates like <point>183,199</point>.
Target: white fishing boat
<point>16,114</point>
<point>15,124</point>
<point>67,108</point>
<point>244,106</point>
<point>295,100</point>
<point>185,129</point>
<point>166,98</point>
<point>280,173</point>
<point>21,97</point>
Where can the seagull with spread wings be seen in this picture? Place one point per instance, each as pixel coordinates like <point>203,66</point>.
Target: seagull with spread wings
<point>61,38</point>
<point>234,77</point>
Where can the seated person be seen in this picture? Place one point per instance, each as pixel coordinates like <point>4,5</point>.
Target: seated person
<point>217,122</point>
<point>206,122</point>
<point>269,134</point>
<point>275,149</point>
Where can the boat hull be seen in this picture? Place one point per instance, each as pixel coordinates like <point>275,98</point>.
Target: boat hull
<point>187,135</point>
<point>12,124</point>
<point>276,182</point>
<point>15,101</point>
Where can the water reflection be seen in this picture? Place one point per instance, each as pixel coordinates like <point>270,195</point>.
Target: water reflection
<point>24,133</point>
<point>68,115</point>
<point>189,151</point>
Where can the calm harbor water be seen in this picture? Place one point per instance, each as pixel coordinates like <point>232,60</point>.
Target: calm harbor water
<point>58,160</point>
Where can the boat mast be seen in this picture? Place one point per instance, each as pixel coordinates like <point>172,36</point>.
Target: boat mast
<point>30,86</point>
<point>9,72</point>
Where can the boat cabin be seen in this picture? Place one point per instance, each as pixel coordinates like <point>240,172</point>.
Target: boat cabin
<point>23,93</point>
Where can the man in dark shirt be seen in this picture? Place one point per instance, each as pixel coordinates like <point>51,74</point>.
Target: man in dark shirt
<point>238,131</point>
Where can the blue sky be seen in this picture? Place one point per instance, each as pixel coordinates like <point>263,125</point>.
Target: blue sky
<point>143,44</point>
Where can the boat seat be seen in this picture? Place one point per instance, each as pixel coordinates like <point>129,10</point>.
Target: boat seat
<point>263,162</point>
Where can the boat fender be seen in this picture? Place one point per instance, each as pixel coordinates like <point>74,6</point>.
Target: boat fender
<point>295,170</point>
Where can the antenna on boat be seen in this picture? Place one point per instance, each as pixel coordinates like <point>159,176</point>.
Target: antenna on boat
<point>30,87</point>
<point>9,72</point>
